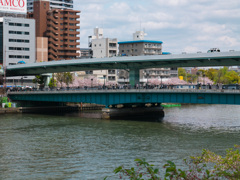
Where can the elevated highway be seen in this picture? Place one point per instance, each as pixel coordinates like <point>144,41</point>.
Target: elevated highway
<point>132,63</point>
<point>127,62</point>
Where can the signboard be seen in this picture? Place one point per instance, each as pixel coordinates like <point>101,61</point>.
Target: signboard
<point>1,70</point>
<point>15,6</point>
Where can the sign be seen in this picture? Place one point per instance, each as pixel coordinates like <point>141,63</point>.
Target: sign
<point>17,6</point>
<point>181,77</point>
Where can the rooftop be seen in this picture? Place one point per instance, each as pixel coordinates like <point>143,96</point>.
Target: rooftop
<point>140,41</point>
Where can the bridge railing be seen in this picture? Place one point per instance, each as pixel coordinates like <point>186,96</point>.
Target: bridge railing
<point>133,90</point>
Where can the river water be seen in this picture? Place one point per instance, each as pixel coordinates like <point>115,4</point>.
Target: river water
<point>81,146</point>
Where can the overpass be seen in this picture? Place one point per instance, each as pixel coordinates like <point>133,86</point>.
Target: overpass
<point>132,63</point>
<point>131,96</point>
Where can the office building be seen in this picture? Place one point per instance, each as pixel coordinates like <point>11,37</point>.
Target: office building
<point>17,40</point>
<point>17,45</point>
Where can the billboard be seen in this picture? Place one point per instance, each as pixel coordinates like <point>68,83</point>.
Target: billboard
<point>13,6</point>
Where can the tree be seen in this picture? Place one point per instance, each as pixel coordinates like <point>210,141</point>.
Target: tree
<point>52,83</point>
<point>66,78</point>
<point>182,72</point>
<point>207,166</point>
<point>39,80</point>
<point>211,73</point>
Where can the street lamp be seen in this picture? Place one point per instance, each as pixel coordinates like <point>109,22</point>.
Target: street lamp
<point>147,79</point>
<point>161,81</point>
<point>22,81</point>
<point>104,76</point>
<point>204,79</point>
<point>67,83</point>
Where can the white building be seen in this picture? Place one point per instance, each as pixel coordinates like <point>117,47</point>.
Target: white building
<point>101,48</point>
<point>17,41</point>
<point>54,4</point>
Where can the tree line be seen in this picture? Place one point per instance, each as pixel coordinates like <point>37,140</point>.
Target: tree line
<point>222,75</point>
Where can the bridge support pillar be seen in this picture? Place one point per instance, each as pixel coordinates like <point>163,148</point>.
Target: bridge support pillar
<point>134,77</point>
<point>46,78</point>
<point>106,113</point>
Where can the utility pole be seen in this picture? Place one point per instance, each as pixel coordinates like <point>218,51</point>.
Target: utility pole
<point>4,71</point>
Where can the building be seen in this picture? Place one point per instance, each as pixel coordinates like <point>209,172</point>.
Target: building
<point>17,40</point>
<point>101,48</point>
<point>141,47</point>
<point>17,45</point>
<point>54,4</point>
<point>57,32</point>
<point>85,53</point>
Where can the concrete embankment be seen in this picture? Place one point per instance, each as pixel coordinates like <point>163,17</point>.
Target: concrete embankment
<point>51,109</point>
<point>10,110</point>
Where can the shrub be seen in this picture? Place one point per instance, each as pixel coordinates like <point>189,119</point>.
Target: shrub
<point>207,166</point>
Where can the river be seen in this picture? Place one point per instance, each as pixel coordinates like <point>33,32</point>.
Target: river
<point>81,146</point>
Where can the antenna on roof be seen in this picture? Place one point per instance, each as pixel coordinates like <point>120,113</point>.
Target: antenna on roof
<point>140,25</point>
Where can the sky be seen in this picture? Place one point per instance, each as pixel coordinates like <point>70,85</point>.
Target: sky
<point>182,25</point>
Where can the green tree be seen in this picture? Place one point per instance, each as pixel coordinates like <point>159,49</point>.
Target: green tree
<point>52,83</point>
<point>65,77</point>
<point>39,80</point>
<point>211,73</point>
<point>182,72</point>
<point>207,166</point>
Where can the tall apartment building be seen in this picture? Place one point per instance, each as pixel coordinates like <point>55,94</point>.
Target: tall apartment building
<point>103,48</point>
<point>141,47</point>
<point>54,4</point>
<point>57,32</point>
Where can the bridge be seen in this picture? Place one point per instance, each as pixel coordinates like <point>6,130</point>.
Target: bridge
<point>133,64</point>
<point>131,96</point>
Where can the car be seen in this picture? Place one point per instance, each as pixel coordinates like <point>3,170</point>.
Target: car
<point>213,50</point>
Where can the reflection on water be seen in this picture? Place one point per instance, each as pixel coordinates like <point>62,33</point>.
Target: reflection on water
<point>81,146</point>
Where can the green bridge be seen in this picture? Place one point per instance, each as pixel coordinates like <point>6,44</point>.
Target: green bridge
<point>131,96</point>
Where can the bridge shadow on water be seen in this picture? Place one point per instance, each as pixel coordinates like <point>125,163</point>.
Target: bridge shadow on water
<point>149,115</point>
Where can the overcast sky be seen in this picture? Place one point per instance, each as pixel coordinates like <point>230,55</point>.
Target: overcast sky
<point>183,25</point>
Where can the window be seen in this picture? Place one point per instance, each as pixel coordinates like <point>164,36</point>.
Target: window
<point>19,48</point>
<point>18,32</point>
<point>18,56</point>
